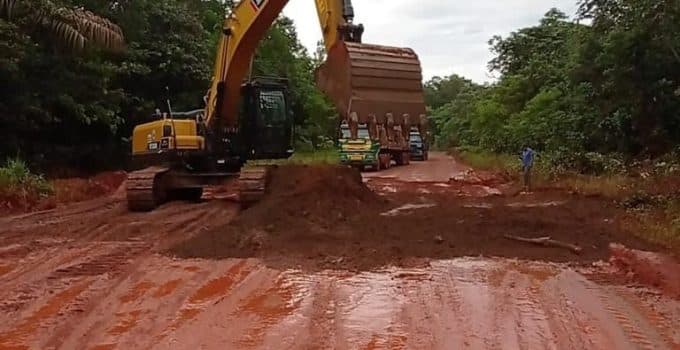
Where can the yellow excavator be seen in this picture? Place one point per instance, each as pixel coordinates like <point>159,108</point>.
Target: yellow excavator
<point>180,153</point>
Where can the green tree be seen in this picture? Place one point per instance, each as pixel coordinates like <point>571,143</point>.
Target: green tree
<point>576,92</point>
<point>634,53</point>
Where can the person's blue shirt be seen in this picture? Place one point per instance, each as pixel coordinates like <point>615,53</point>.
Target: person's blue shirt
<point>528,157</point>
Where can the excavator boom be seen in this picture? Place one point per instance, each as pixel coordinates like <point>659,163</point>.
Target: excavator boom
<point>361,78</point>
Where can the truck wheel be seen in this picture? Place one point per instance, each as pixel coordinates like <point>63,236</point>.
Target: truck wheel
<point>399,158</point>
<point>385,161</point>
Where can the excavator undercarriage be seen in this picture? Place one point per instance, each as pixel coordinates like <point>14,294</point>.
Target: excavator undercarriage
<point>151,187</point>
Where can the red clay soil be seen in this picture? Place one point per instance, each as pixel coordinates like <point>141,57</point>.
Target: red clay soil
<point>87,276</point>
<point>325,217</point>
<point>653,269</point>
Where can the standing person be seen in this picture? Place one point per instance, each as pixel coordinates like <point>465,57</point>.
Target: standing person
<point>527,164</point>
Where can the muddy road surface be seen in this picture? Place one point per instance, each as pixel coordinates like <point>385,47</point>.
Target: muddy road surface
<point>413,258</point>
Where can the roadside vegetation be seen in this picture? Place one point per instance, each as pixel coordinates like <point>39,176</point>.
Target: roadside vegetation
<point>597,96</point>
<point>20,187</point>
<point>308,157</point>
<point>593,98</point>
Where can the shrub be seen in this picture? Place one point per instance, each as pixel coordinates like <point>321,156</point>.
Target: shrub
<point>17,179</point>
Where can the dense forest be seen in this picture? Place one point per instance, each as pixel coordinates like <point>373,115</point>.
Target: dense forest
<point>79,74</point>
<point>588,94</point>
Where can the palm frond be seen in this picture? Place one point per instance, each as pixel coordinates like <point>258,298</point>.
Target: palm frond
<point>79,28</point>
<point>72,28</point>
<point>7,7</point>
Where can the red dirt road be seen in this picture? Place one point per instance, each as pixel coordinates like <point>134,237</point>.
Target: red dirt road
<point>440,168</point>
<point>92,276</point>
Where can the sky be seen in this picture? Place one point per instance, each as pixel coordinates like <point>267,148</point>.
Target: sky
<point>449,36</point>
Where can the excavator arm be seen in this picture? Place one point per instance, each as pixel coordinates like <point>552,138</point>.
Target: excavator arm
<point>379,75</point>
<point>243,30</point>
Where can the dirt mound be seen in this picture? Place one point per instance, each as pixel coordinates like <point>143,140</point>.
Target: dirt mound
<point>310,195</point>
<point>306,208</point>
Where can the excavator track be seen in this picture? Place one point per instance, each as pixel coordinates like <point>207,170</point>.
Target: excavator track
<point>252,184</point>
<point>145,190</point>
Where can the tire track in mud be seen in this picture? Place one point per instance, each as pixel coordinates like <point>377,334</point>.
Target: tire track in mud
<point>368,306</point>
<point>19,336</point>
<point>94,242</point>
<point>608,318</point>
<point>651,314</point>
<point>272,307</point>
<point>636,327</point>
<point>207,295</point>
<point>323,315</point>
<point>473,298</point>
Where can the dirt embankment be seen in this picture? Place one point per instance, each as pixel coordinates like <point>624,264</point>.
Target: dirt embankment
<point>66,191</point>
<point>326,217</point>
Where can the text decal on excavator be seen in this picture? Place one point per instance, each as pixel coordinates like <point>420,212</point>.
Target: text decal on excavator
<point>257,4</point>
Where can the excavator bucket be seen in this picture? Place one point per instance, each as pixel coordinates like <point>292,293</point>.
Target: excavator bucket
<point>372,80</point>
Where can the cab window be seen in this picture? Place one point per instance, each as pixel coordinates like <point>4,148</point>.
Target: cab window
<point>273,107</point>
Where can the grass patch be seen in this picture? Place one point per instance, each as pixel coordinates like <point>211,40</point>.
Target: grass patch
<point>657,216</point>
<point>661,227</point>
<point>19,187</point>
<point>546,176</point>
<point>16,176</point>
<point>613,186</point>
<point>327,156</point>
<point>490,161</point>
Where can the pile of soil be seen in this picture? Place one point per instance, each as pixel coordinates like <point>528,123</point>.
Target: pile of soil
<point>301,196</point>
<point>308,210</point>
<point>326,218</point>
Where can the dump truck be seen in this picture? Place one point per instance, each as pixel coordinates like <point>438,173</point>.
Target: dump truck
<point>375,143</point>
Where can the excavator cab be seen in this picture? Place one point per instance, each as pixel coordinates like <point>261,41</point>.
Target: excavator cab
<point>266,120</point>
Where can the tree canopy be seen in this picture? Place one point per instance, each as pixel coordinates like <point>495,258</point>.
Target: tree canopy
<point>605,84</point>
<point>79,74</point>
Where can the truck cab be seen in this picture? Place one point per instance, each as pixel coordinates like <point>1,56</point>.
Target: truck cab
<point>418,147</point>
<point>361,152</point>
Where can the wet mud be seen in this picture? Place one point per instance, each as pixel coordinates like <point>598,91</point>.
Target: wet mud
<point>93,276</point>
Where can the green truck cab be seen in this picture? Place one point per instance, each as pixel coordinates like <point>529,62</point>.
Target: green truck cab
<point>361,152</point>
